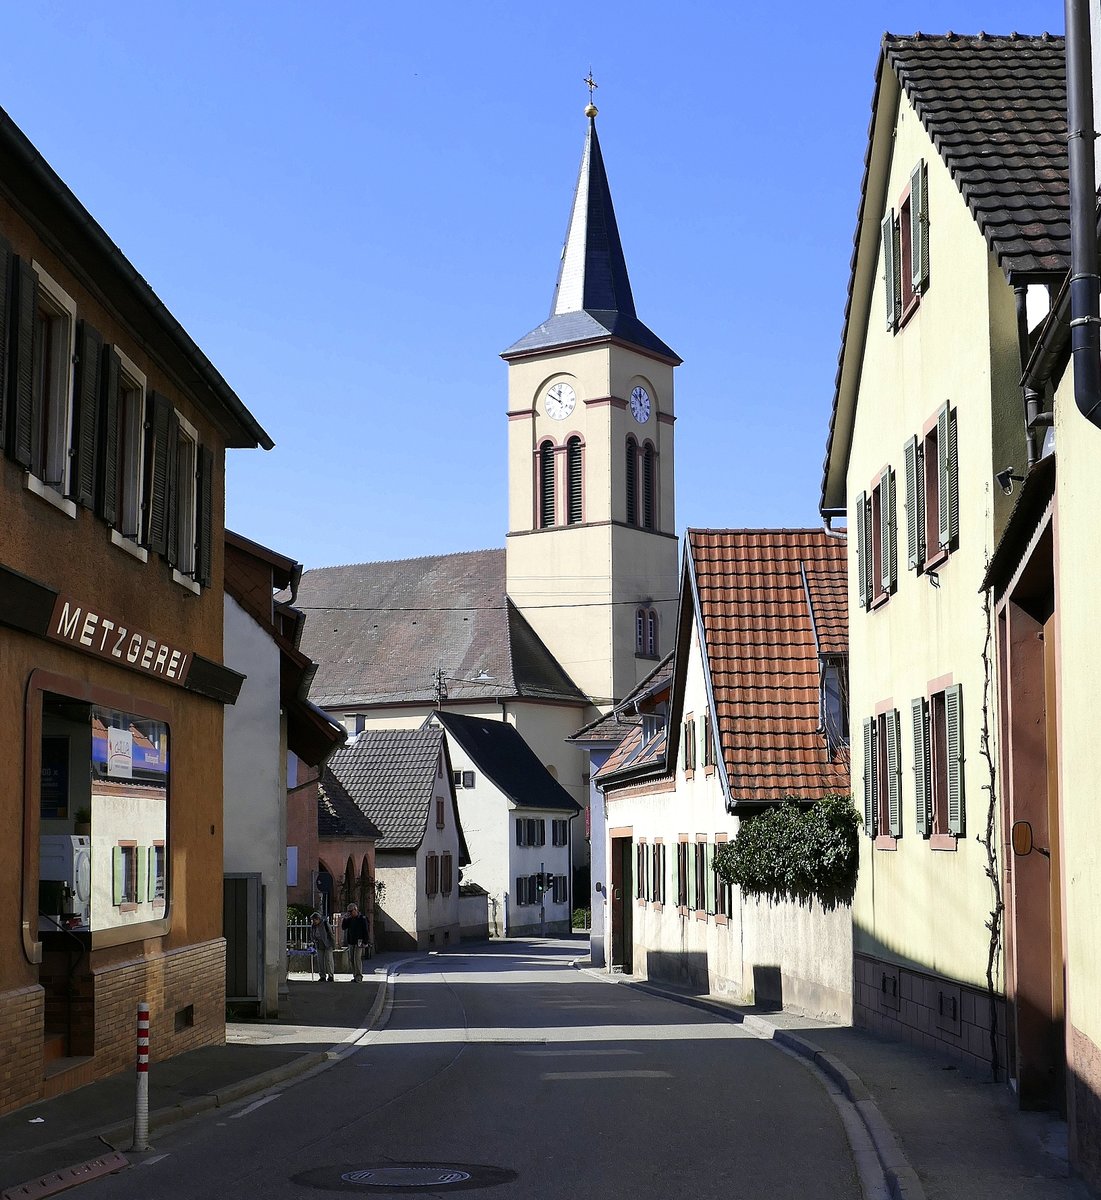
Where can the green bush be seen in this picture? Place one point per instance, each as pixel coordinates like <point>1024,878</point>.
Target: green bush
<point>796,852</point>
<point>581,918</point>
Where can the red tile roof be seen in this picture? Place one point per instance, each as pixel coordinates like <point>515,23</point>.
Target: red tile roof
<point>763,660</point>
<point>827,588</point>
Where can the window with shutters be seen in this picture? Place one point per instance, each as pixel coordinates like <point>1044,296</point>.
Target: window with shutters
<point>447,874</point>
<point>649,487</point>
<point>707,744</point>
<point>547,511</point>
<point>688,740</point>
<point>875,522</point>
<point>124,892</point>
<point>699,872</point>
<point>186,506</point>
<point>937,725</point>
<point>724,894</point>
<point>931,492</point>
<point>560,890</point>
<point>882,779</point>
<point>657,869</point>
<point>575,490</point>
<point>432,875</point>
<point>641,885</point>
<point>42,351</point>
<point>904,250</point>
<point>559,832</point>
<point>631,481</point>
<point>122,449</point>
<point>682,874</point>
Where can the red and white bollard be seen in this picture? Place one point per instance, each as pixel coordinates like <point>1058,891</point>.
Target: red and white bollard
<point>141,1111</point>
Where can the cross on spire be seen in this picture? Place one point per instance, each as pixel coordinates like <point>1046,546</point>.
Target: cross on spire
<point>591,83</point>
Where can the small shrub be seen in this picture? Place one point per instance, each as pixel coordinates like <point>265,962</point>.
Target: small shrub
<point>581,918</point>
<point>796,852</point>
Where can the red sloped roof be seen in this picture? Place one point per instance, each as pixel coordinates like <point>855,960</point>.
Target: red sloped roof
<point>763,659</point>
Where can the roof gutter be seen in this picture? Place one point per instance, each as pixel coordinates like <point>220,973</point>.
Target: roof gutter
<point>1085,324</point>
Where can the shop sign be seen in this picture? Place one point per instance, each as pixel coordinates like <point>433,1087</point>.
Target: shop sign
<point>107,637</point>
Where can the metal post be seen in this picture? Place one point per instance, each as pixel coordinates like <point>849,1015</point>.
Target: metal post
<point>141,1110</point>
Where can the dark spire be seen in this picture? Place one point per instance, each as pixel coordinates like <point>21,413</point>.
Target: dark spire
<point>592,298</point>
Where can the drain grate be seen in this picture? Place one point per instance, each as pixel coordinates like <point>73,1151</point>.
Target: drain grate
<point>394,1177</point>
<point>407,1176</point>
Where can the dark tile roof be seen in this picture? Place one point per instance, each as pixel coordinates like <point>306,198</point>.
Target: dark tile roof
<point>592,297</point>
<point>613,727</point>
<point>762,658</point>
<point>996,110</point>
<point>636,753</point>
<point>390,774</point>
<point>338,816</point>
<point>378,632</point>
<point>827,588</point>
<point>499,752</point>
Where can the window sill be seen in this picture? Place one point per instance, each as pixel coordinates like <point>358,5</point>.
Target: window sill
<point>909,310</point>
<point>934,560</point>
<point>648,657</point>
<point>943,841</point>
<point>657,905</point>
<point>128,546</point>
<point>700,915</point>
<point>722,919</point>
<point>689,774</point>
<point>879,601</point>
<point>682,910</point>
<point>708,770</point>
<point>186,582</point>
<point>51,495</point>
<point>884,841</point>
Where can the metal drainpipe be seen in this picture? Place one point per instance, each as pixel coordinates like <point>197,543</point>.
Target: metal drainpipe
<point>1031,396</point>
<point>1084,330</point>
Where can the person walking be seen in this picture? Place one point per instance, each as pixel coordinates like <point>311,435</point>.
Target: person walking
<point>354,926</point>
<point>323,941</point>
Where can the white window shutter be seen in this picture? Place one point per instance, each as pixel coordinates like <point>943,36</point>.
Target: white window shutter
<point>894,775</point>
<point>953,713</point>
<point>869,776</point>
<point>919,227</point>
<point>118,872</point>
<point>915,515</point>
<point>890,269</point>
<point>920,726</point>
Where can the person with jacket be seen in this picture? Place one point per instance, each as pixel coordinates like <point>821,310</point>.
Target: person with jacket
<point>323,941</point>
<point>356,937</point>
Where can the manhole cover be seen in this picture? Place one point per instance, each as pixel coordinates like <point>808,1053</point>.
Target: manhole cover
<point>405,1177</point>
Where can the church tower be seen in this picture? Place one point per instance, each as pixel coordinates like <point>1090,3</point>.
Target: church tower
<point>592,557</point>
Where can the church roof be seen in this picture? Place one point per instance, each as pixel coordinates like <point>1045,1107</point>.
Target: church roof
<point>592,298</point>
<point>499,751</point>
<point>379,631</point>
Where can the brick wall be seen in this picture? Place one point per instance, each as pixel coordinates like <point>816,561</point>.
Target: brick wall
<point>21,1015</point>
<point>927,1011</point>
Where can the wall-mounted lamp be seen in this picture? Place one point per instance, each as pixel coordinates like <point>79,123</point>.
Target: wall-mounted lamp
<point>1007,478</point>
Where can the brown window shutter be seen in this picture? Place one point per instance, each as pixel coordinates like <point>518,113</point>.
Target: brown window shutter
<point>631,466</point>
<point>546,486</point>
<point>5,322</point>
<point>649,489</point>
<point>172,491</point>
<point>107,483</point>
<point>21,416</point>
<point>205,498</point>
<point>574,489</point>
<point>86,393</point>
<point>159,423</point>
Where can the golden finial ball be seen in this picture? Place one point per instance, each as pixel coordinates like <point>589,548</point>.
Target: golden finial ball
<point>590,110</point>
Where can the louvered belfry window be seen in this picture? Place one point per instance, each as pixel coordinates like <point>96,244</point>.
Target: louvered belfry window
<point>546,485</point>
<point>631,476</point>
<point>574,476</point>
<point>649,488</point>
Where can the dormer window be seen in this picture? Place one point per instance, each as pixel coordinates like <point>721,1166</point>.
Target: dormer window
<point>652,725</point>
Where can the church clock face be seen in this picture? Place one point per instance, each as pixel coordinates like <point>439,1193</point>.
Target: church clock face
<point>559,401</point>
<point>640,405</point>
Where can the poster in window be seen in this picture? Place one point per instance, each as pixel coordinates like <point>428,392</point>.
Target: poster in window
<point>120,753</point>
<point>55,778</point>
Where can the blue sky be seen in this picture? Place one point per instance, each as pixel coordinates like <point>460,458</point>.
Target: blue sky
<point>354,207</point>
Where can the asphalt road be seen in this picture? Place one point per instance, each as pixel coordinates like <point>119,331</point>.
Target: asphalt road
<point>534,1080</point>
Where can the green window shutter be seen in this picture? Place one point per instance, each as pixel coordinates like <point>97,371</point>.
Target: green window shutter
<point>890,269</point>
<point>947,478</point>
<point>869,776</point>
<point>151,873</point>
<point>118,872</point>
<point>86,392</point>
<point>709,874</point>
<point>919,227</point>
<point>953,714</point>
<point>920,725</point>
<point>863,555</point>
<point>914,493</point>
<point>5,320</point>
<point>141,863</point>
<point>894,775</point>
<point>22,419</point>
<point>888,539</point>
<point>107,484</point>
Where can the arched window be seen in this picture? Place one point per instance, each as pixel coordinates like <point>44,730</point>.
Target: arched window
<point>574,490</point>
<point>632,481</point>
<point>652,633</point>
<point>640,631</point>
<point>649,488</point>
<point>546,485</point>
<point>646,632</point>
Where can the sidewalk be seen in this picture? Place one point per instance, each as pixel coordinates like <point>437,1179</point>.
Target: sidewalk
<point>940,1131</point>
<point>316,1020</point>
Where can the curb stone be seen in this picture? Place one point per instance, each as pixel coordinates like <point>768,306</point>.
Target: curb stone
<point>902,1179</point>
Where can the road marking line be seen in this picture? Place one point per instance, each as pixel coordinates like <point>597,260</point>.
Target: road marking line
<point>576,1053</point>
<point>255,1105</point>
<point>608,1075</point>
<point>148,1162</point>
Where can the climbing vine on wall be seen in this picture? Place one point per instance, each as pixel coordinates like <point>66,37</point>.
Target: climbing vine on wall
<point>796,852</point>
